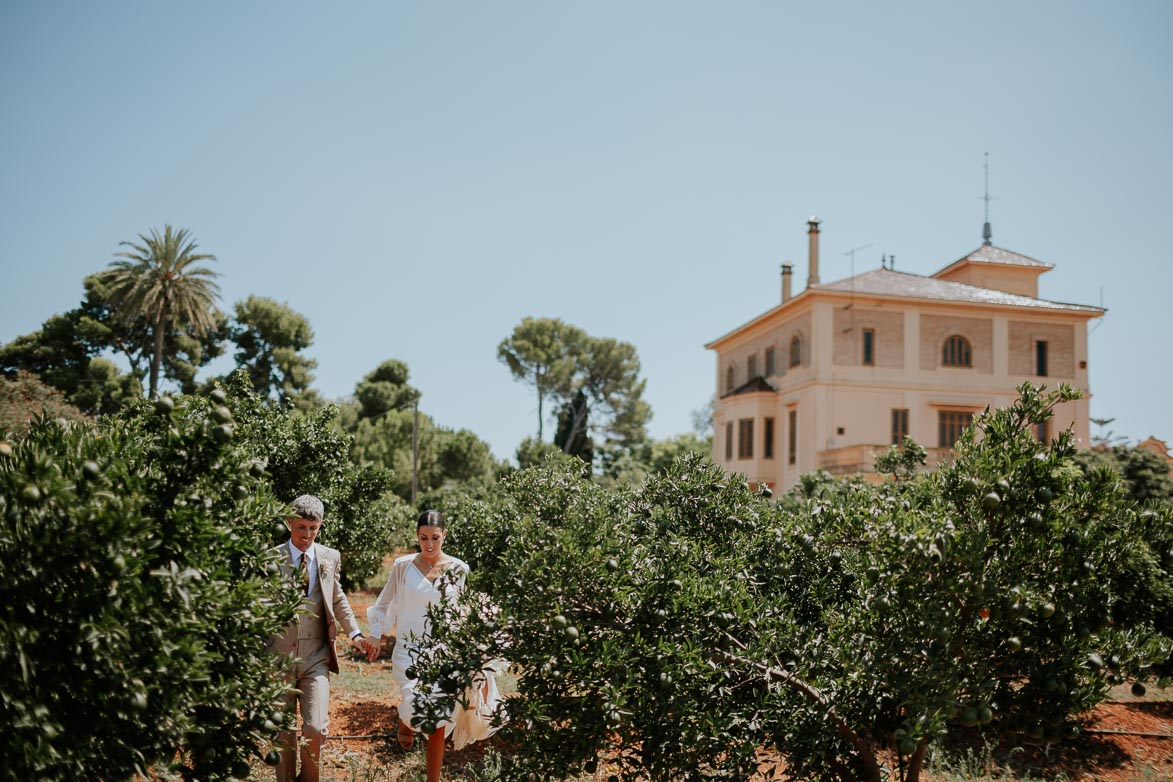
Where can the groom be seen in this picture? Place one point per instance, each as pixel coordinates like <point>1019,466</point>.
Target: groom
<point>309,641</point>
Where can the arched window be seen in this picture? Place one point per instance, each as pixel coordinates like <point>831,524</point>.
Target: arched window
<point>729,379</point>
<point>796,351</point>
<point>956,352</point>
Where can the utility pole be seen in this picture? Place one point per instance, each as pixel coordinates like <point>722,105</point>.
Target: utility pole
<point>415,448</point>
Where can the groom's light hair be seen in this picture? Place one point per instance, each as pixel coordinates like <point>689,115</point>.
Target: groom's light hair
<point>307,506</point>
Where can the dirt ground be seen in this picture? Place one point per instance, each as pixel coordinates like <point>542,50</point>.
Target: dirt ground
<point>362,704</point>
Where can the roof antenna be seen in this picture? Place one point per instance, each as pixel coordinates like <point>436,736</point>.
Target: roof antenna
<point>986,232</point>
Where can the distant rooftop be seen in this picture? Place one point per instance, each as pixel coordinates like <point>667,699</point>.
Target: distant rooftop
<point>755,384</point>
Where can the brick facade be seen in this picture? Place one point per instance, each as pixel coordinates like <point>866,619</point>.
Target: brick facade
<point>889,329</point>
<point>935,329</point>
<point>1060,339</point>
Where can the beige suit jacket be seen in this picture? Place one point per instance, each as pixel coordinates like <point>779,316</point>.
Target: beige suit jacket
<point>329,563</point>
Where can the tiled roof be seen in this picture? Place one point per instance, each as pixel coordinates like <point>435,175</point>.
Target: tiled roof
<point>988,253</point>
<point>885,282</point>
<point>756,384</point>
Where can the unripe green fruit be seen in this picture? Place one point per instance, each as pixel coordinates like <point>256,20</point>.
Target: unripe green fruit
<point>90,470</point>
<point>222,433</point>
<point>991,501</point>
<point>272,757</point>
<point>218,396</point>
<point>221,414</point>
<point>30,494</point>
<point>571,633</point>
<point>907,746</point>
<point>240,770</point>
<point>1138,689</point>
<point>5,449</point>
<point>560,621</point>
<point>164,405</point>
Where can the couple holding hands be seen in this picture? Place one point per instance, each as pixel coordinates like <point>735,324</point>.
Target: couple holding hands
<point>401,611</point>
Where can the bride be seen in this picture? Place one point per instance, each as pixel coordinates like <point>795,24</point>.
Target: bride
<point>402,611</point>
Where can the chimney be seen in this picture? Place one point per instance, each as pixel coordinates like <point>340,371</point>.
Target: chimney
<point>812,226</point>
<point>787,269</point>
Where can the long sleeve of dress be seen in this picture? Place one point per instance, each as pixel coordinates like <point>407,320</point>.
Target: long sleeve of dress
<point>384,613</point>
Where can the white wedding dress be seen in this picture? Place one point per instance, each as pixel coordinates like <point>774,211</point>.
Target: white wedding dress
<point>402,610</point>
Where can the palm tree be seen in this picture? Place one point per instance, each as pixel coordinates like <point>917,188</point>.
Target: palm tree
<point>156,281</point>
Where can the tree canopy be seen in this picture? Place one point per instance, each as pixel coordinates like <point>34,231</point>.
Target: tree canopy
<point>159,282</point>
<point>381,419</point>
<point>269,337</point>
<point>542,352</point>
<point>676,629</point>
<point>594,380</point>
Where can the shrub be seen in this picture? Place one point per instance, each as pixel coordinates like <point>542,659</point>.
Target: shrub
<point>305,453</point>
<point>24,398</point>
<point>678,629</point>
<point>135,599</point>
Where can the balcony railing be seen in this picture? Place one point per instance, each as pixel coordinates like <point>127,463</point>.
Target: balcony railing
<point>861,459</point>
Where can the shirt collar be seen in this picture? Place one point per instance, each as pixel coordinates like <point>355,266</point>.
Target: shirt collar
<point>295,553</point>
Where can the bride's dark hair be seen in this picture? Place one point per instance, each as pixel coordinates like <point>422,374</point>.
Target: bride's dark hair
<point>431,518</point>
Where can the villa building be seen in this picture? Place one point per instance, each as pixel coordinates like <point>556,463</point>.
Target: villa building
<point>832,376</point>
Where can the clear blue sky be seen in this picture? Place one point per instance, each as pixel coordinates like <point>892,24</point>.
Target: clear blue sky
<point>417,177</point>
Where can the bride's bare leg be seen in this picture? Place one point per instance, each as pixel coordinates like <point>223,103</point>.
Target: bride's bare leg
<point>435,755</point>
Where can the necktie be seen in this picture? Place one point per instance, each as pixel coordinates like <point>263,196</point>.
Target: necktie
<point>304,572</point>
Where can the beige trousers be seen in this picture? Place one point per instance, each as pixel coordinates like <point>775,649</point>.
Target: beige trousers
<point>311,675</point>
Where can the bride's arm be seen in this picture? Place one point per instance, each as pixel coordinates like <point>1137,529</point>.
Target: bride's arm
<point>382,614</point>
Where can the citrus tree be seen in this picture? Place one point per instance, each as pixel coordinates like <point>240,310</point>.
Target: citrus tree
<point>306,453</point>
<point>135,598</point>
<point>677,631</point>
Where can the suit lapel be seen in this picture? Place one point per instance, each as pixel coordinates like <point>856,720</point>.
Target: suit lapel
<point>326,581</point>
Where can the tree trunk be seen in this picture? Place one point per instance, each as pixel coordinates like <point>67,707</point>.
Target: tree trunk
<point>575,426</point>
<point>869,768</point>
<point>915,764</point>
<point>157,355</point>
